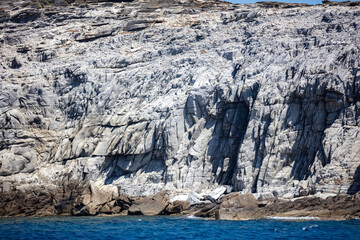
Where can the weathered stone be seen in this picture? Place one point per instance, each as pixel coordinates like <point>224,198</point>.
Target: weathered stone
<point>180,104</point>
<point>216,193</point>
<point>151,205</point>
<point>177,207</point>
<point>208,211</point>
<point>99,199</point>
<point>237,200</point>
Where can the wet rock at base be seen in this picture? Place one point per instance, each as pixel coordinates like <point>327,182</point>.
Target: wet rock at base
<point>208,211</point>
<point>177,207</point>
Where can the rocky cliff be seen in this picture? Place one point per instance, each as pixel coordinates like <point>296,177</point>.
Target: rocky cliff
<point>136,97</point>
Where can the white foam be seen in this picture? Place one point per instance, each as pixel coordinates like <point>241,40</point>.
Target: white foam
<point>309,228</point>
<point>293,218</point>
<point>193,217</point>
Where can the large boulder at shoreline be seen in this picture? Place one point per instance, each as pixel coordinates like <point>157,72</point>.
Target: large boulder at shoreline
<point>151,205</point>
<point>238,207</point>
<point>177,207</point>
<point>98,198</point>
<point>236,200</point>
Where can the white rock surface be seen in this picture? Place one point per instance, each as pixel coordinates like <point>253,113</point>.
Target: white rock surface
<point>217,193</point>
<point>183,197</point>
<point>194,198</point>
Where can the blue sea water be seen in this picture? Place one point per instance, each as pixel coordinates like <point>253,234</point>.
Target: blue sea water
<point>140,227</point>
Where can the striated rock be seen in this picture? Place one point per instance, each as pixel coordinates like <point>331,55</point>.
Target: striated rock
<point>132,98</point>
<point>336,207</point>
<point>274,4</point>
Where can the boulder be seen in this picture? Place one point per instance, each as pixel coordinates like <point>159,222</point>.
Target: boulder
<point>99,198</point>
<point>151,205</point>
<point>263,196</point>
<point>177,207</point>
<point>207,211</point>
<point>236,200</point>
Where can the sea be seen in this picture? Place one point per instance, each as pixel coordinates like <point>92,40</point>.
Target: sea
<point>164,227</point>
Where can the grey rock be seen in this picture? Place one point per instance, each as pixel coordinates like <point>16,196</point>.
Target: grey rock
<point>260,98</point>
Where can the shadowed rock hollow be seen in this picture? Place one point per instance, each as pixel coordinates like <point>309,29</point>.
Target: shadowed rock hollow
<point>181,96</point>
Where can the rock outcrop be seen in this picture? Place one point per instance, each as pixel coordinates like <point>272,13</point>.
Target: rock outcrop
<point>151,205</point>
<point>337,207</point>
<point>108,99</point>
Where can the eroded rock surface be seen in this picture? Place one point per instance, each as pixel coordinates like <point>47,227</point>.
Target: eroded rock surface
<point>182,96</point>
<point>337,207</point>
<point>151,205</point>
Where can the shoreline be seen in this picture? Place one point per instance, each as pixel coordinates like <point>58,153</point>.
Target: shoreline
<point>267,218</point>
<point>104,104</point>
<point>232,206</point>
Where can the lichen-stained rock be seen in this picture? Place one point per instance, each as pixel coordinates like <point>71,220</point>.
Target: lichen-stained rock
<point>181,96</point>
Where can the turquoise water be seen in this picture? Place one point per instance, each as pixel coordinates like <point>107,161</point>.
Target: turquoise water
<point>120,227</point>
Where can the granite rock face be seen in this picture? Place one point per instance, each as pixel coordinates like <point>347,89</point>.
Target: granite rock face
<point>181,96</point>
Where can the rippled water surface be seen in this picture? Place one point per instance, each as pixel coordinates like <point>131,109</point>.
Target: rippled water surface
<point>120,227</point>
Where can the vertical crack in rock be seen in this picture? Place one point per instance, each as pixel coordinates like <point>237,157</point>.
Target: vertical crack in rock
<point>311,113</point>
<point>236,135</point>
<point>260,152</point>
